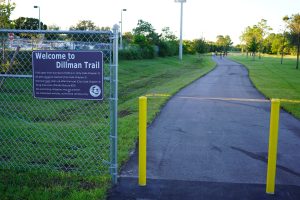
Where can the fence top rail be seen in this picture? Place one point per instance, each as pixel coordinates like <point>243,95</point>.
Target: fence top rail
<point>54,31</point>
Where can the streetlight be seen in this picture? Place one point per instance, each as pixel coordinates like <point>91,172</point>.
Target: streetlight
<point>121,22</point>
<point>39,15</point>
<point>181,12</point>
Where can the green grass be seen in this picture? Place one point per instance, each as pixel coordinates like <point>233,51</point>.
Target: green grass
<point>27,130</point>
<point>273,79</point>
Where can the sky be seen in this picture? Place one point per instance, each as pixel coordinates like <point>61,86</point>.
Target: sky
<point>201,18</point>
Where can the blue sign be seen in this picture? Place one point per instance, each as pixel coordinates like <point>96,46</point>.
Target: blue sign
<point>67,74</point>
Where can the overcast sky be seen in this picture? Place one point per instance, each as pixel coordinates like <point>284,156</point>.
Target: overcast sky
<point>207,18</point>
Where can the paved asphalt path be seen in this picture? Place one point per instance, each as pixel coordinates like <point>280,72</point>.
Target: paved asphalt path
<point>215,149</point>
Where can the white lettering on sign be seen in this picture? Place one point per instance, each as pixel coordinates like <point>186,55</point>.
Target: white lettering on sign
<point>68,65</point>
<point>94,65</point>
<point>50,56</point>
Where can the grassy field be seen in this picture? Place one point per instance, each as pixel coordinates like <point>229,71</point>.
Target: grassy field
<point>68,154</point>
<point>273,79</point>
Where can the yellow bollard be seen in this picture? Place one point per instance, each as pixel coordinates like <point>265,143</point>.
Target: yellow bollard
<point>273,141</point>
<point>142,140</point>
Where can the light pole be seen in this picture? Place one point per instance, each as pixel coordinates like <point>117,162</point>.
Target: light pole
<point>180,40</point>
<point>121,22</point>
<point>39,15</point>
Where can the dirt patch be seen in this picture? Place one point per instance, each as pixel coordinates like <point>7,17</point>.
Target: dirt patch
<point>5,158</point>
<point>70,156</point>
<point>39,161</point>
<point>68,167</point>
<point>77,147</point>
<point>87,185</point>
<point>124,113</point>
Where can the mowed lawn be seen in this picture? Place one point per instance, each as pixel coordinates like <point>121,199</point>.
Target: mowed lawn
<point>273,79</point>
<point>136,78</point>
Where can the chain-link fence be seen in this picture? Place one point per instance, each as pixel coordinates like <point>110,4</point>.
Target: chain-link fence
<point>55,135</point>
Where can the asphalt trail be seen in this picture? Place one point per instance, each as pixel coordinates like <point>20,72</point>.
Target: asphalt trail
<point>218,142</point>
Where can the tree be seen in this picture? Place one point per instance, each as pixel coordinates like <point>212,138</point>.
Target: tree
<point>53,36</point>
<point>168,35</point>
<point>224,43</point>
<point>88,25</point>
<point>127,38</point>
<point>27,23</point>
<point>5,13</point>
<point>146,29</point>
<point>253,37</point>
<point>293,24</point>
<point>84,25</point>
<point>200,46</point>
<point>5,23</point>
<point>253,46</point>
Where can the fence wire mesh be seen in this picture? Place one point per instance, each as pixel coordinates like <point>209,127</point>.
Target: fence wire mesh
<point>52,135</point>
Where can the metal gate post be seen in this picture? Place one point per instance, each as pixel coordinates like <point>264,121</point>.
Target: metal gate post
<point>114,105</point>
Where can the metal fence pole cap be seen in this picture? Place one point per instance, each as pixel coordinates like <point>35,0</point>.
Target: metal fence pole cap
<point>116,27</point>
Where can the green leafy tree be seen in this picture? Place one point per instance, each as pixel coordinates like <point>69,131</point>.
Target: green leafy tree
<point>168,35</point>
<point>253,37</point>
<point>168,43</point>
<point>188,47</point>
<point>147,30</point>
<point>293,24</point>
<point>127,37</point>
<point>52,36</point>
<point>5,23</point>
<point>27,23</point>
<point>88,25</point>
<point>200,46</point>
<point>262,25</point>
<point>253,46</point>
<point>224,43</point>
<point>267,44</point>
<point>5,13</point>
<point>84,25</point>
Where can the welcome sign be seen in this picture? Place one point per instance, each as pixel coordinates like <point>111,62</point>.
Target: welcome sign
<point>67,74</point>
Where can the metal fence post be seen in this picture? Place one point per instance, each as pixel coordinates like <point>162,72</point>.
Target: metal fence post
<point>273,141</point>
<point>114,99</point>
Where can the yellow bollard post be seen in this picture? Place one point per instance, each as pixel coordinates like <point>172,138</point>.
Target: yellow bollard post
<point>273,141</point>
<point>142,140</point>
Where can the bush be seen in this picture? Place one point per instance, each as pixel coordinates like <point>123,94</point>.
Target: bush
<point>131,53</point>
<point>188,47</point>
<point>167,48</point>
<point>148,52</point>
<point>135,52</point>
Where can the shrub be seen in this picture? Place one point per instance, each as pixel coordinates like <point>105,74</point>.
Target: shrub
<point>131,53</point>
<point>148,52</point>
<point>167,48</point>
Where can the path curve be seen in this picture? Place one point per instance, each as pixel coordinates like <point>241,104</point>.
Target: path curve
<point>219,141</point>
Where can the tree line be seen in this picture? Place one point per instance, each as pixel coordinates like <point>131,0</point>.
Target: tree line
<point>258,39</point>
<point>143,42</point>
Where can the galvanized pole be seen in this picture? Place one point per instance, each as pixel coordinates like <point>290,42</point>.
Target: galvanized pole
<point>114,100</point>
<point>121,39</point>
<point>39,18</point>
<point>180,43</point>
<point>39,15</point>
<point>121,34</point>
